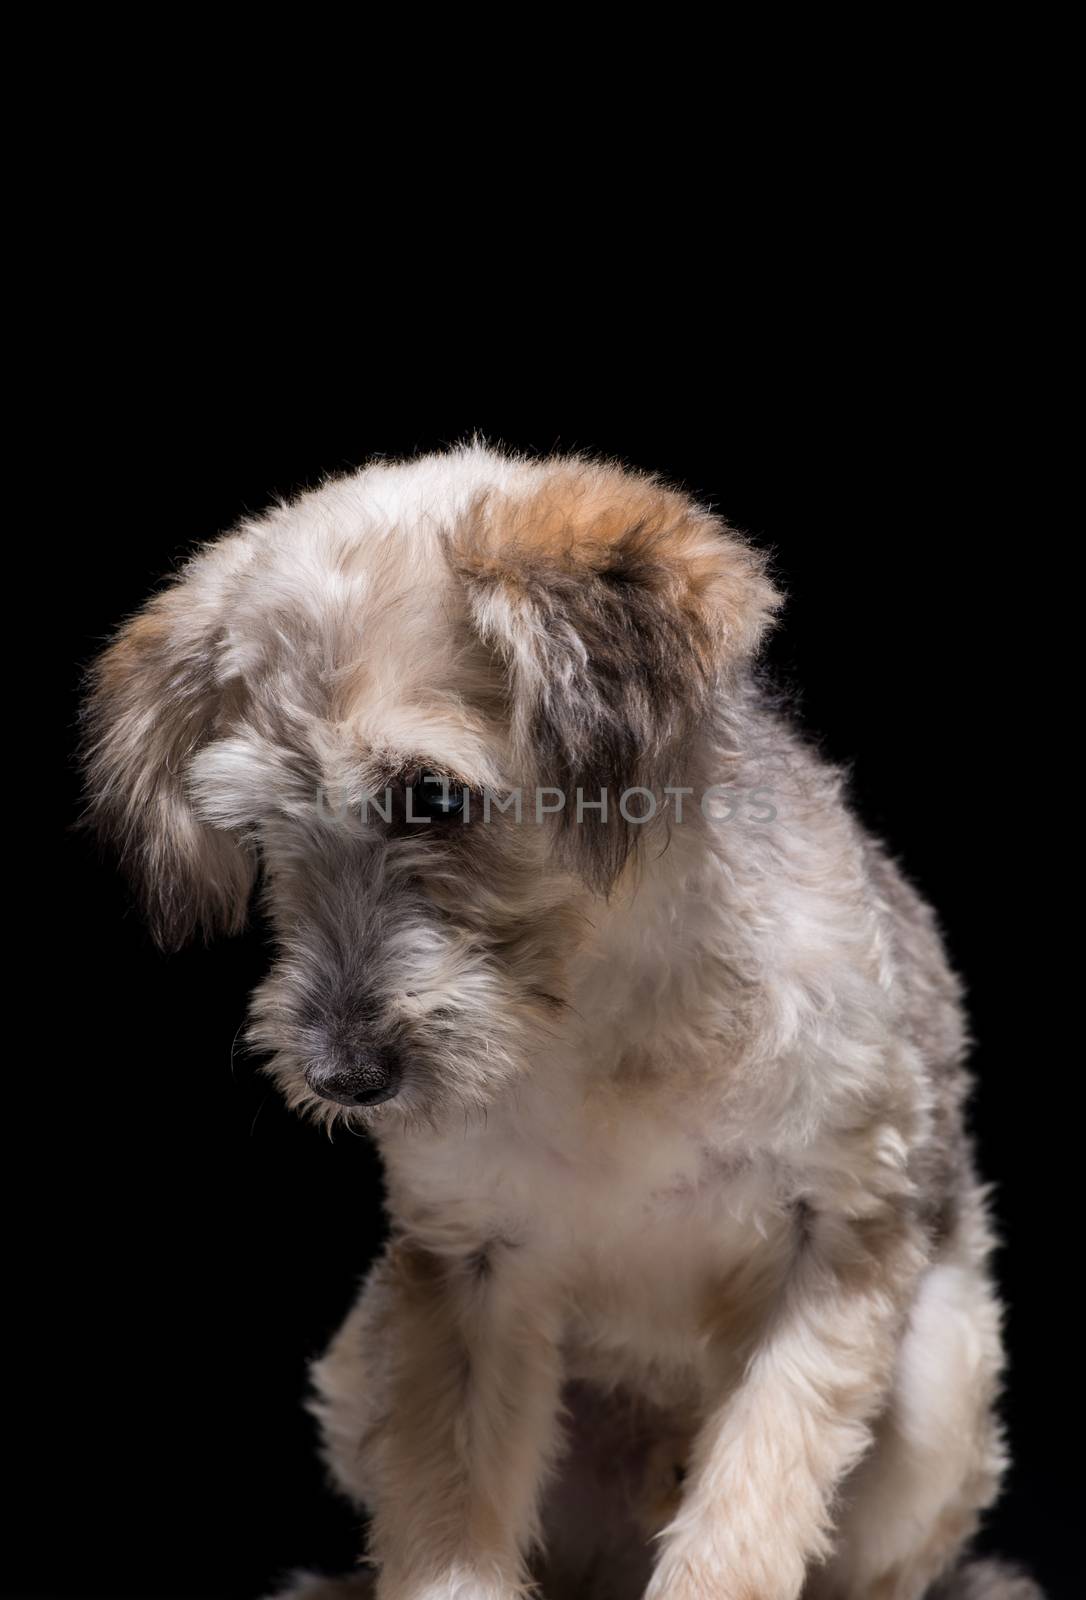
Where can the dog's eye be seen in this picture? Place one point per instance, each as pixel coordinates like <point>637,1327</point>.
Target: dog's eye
<point>436,800</point>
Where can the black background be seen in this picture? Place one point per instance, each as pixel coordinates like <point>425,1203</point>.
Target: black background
<point>190,1246</point>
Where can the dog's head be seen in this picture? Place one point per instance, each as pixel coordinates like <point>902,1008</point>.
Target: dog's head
<point>386,699</point>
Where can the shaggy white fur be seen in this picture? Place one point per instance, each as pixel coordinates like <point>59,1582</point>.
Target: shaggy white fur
<point>687,1293</point>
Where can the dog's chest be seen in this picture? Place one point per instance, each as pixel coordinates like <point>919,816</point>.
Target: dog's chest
<point>625,1204</point>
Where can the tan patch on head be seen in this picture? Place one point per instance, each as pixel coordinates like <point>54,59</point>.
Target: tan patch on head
<point>605,522</point>
<point>581,512</point>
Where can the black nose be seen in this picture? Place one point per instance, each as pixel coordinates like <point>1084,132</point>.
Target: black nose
<point>365,1080</point>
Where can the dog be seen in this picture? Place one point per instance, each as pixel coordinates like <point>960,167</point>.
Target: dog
<point>687,1293</point>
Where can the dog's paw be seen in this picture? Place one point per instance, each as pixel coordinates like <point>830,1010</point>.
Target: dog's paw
<point>459,1583</point>
<point>691,1575</point>
<point>452,1588</point>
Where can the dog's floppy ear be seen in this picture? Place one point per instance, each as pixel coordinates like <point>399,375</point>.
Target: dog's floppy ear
<point>155,696</point>
<point>618,606</point>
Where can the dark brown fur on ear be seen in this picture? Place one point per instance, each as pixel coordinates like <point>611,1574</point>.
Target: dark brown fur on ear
<point>618,605</point>
<point>154,699</point>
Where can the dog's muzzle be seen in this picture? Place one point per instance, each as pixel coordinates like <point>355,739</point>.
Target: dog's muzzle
<point>370,1077</point>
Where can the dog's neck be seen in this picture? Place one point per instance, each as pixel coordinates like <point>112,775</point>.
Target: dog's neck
<point>681,908</point>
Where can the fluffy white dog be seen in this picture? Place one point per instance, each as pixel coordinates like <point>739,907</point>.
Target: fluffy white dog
<point>687,1292</point>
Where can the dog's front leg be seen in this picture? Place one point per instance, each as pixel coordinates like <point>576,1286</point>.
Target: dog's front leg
<point>756,1507</point>
<point>469,1424</point>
